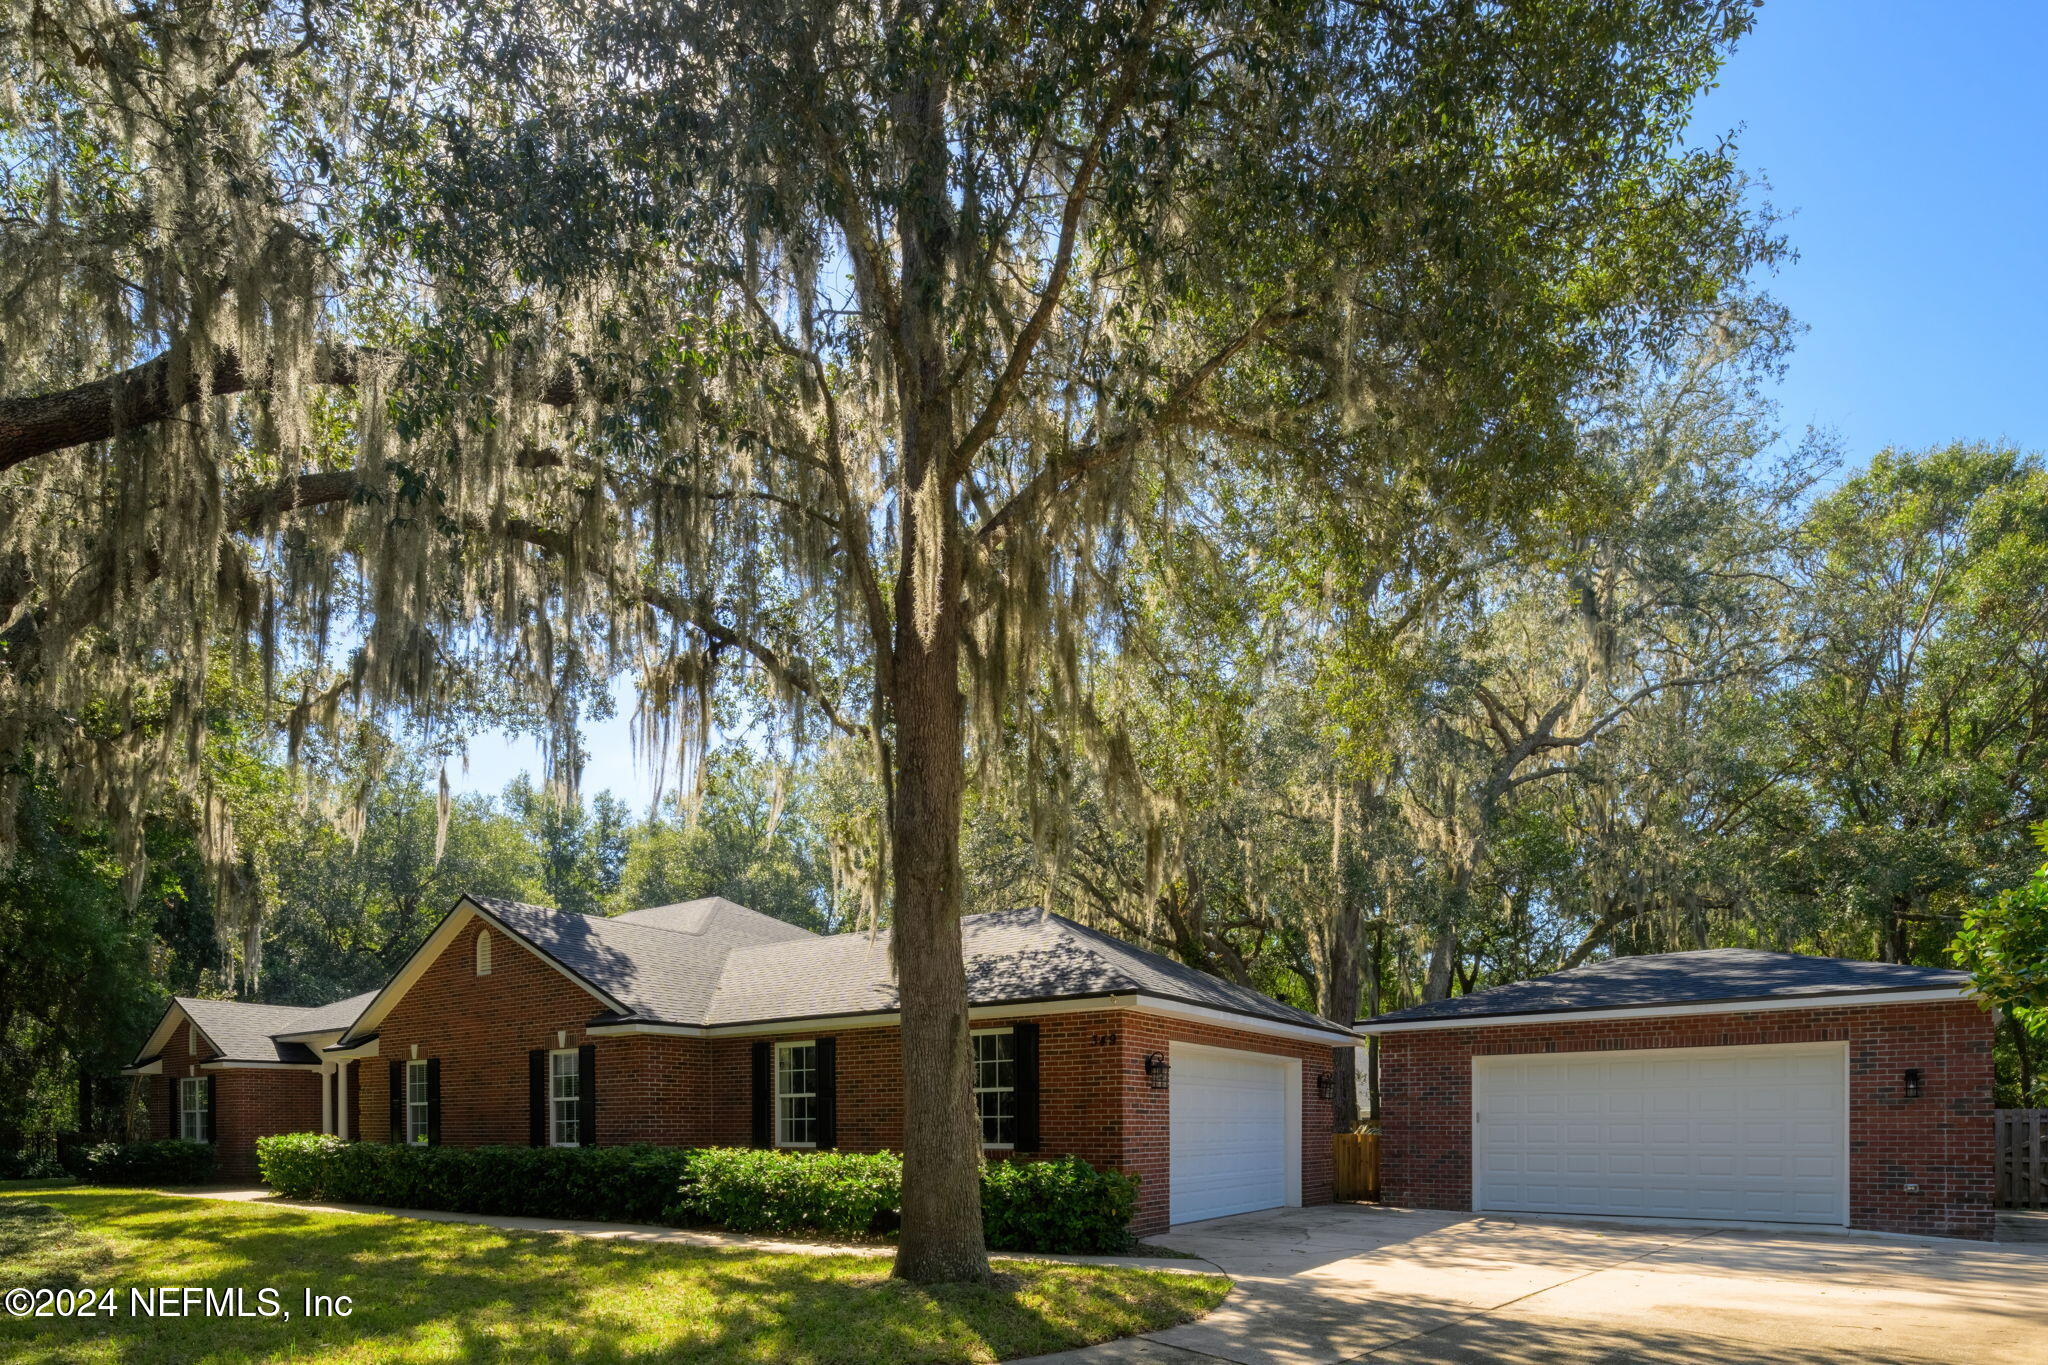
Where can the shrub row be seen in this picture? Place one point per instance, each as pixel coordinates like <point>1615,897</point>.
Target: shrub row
<point>171,1161</point>
<point>614,1184</point>
<point>744,1189</point>
<point>1062,1205</point>
<point>31,1163</point>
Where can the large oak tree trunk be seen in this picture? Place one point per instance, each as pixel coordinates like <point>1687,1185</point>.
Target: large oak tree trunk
<point>942,1238</point>
<point>942,1234</point>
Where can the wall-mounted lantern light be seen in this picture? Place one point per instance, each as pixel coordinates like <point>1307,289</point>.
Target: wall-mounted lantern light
<point>1912,1083</point>
<point>1155,1070</point>
<point>1325,1086</point>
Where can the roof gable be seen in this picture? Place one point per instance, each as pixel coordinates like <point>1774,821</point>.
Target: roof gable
<point>643,970</point>
<point>507,916</point>
<point>1706,976</point>
<point>710,963</point>
<point>237,1031</point>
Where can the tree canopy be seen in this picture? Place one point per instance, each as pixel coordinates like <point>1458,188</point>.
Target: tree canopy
<point>828,368</point>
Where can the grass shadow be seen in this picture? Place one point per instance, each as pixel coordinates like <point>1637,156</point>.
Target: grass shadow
<point>459,1292</point>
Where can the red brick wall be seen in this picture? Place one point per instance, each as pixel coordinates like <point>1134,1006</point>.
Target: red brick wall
<point>256,1103</point>
<point>1093,1098</point>
<point>1078,1113</point>
<point>692,1091</point>
<point>1147,1111</point>
<point>1941,1141</point>
<point>250,1102</point>
<point>481,1028</point>
<point>178,1062</point>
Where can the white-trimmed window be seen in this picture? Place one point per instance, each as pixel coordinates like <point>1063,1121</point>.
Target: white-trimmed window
<point>418,1107</point>
<point>796,1094</point>
<point>565,1099</point>
<point>995,1085</point>
<point>483,952</point>
<point>193,1096</point>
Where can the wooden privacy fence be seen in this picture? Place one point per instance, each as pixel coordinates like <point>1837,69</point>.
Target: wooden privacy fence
<point>2022,1157</point>
<point>1355,1158</point>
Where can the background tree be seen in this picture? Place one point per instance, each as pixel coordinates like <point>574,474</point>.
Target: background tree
<point>679,336</point>
<point>1918,727</point>
<point>757,835</point>
<point>2004,944</point>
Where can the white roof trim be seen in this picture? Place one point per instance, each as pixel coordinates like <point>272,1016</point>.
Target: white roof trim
<point>424,956</point>
<point>160,1037</point>
<point>334,1052</point>
<point>1858,999</point>
<point>307,1037</point>
<point>1139,1003</point>
<point>154,1068</point>
<point>228,1064</point>
<point>1333,1036</point>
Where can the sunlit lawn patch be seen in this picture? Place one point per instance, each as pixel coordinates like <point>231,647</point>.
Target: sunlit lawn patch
<point>424,1291</point>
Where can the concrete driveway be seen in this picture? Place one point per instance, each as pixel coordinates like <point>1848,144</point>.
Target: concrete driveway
<point>1399,1287</point>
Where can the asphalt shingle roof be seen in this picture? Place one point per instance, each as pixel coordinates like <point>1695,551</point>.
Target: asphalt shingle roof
<point>710,962</point>
<point>1707,976</point>
<point>244,1032</point>
<point>334,1017</point>
<point>1013,957</point>
<point>661,964</point>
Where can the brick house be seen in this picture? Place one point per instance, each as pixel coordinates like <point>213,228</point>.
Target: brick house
<point>1724,1085</point>
<point>706,1023</point>
<point>225,1072</point>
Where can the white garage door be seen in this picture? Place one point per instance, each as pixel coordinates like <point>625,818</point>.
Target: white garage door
<point>1234,1132</point>
<point>1755,1134</point>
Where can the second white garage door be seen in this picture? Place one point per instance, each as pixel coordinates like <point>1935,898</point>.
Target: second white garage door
<point>1755,1134</point>
<point>1234,1132</point>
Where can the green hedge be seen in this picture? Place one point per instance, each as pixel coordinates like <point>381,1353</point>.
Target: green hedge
<point>614,1184</point>
<point>1059,1205</point>
<point>31,1163</point>
<point>1062,1205</point>
<point>743,1189</point>
<point>172,1161</point>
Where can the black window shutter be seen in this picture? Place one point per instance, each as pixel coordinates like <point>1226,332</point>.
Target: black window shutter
<point>398,1101</point>
<point>764,1094</point>
<point>828,1092</point>
<point>434,1102</point>
<point>1024,1103</point>
<point>586,1094</point>
<point>537,1097</point>
<point>212,1096</point>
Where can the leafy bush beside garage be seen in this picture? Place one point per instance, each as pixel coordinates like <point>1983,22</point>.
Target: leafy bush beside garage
<point>1063,1205</point>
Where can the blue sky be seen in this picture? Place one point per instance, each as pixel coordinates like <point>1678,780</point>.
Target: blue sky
<point>1908,139</point>
<point>1908,142</point>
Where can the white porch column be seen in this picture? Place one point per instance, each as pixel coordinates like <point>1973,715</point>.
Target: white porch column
<point>327,1097</point>
<point>341,1088</point>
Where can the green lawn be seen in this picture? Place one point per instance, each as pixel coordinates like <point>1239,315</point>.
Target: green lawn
<point>442,1291</point>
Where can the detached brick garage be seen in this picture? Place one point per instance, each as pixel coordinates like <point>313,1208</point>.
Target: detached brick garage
<point>1724,1086</point>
